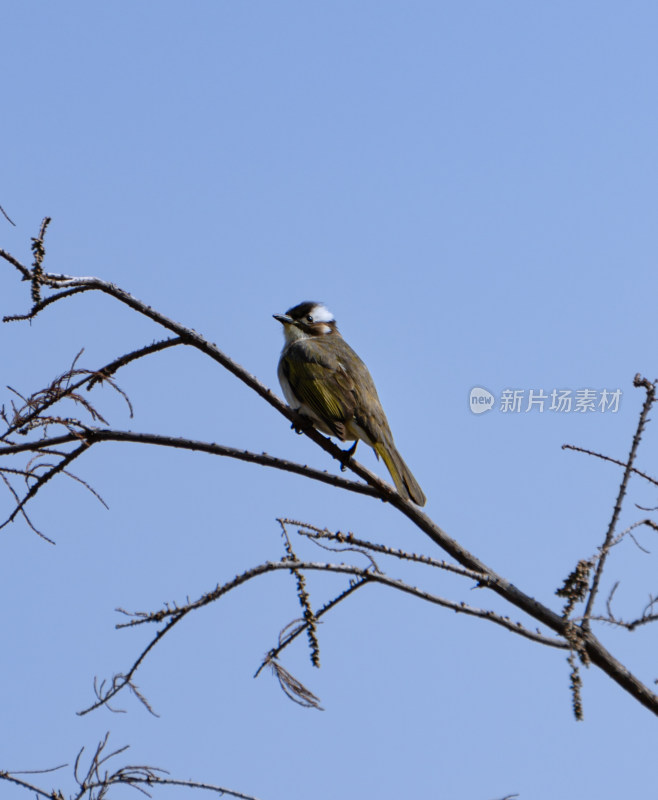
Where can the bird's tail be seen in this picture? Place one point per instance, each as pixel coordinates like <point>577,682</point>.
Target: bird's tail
<point>404,481</point>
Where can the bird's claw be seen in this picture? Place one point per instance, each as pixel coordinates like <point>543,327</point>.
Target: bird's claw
<point>347,455</point>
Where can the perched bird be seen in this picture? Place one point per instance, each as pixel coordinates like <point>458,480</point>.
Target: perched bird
<point>324,379</point>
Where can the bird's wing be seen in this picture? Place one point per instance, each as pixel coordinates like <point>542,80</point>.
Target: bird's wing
<point>320,382</point>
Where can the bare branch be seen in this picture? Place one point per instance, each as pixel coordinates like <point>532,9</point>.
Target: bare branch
<point>22,510</point>
<point>360,545</point>
<point>648,615</point>
<point>6,216</point>
<point>176,614</point>
<point>629,532</point>
<point>10,778</point>
<point>61,388</point>
<point>650,389</point>
<point>287,636</point>
<point>611,460</point>
<point>25,272</point>
<point>110,369</point>
<point>97,780</point>
<point>41,304</point>
<point>93,435</point>
<point>582,640</point>
<point>41,481</point>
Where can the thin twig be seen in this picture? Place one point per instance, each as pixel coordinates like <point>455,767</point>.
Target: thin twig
<point>7,217</point>
<point>98,779</point>
<point>313,533</point>
<point>609,536</point>
<point>41,481</point>
<point>54,393</point>
<point>611,460</point>
<point>292,635</point>
<point>41,304</point>
<point>175,615</point>
<point>25,272</point>
<point>23,512</point>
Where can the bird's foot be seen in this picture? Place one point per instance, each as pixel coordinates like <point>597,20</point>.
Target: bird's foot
<point>347,455</point>
<point>302,424</point>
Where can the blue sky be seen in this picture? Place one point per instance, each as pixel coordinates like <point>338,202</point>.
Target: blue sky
<point>471,188</point>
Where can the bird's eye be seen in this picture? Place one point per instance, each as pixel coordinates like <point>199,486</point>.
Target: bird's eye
<point>309,318</point>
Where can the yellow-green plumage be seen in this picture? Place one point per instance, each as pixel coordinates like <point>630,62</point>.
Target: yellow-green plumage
<point>403,479</point>
<point>312,382</point>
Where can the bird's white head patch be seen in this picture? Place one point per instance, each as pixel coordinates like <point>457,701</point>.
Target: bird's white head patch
<point>321,313</point>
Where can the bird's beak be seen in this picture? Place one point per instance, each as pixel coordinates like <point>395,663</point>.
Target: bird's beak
<point>284,319</point>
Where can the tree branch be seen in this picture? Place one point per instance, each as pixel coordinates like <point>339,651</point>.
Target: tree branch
<point>91,436</point>
<point>176,614</point>
<point>587,643</point>
<point>97,780</point>
<point>650,389</point>
<point>611,460</point>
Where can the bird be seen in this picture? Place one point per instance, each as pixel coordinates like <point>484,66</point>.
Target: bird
<point>326,381</point>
